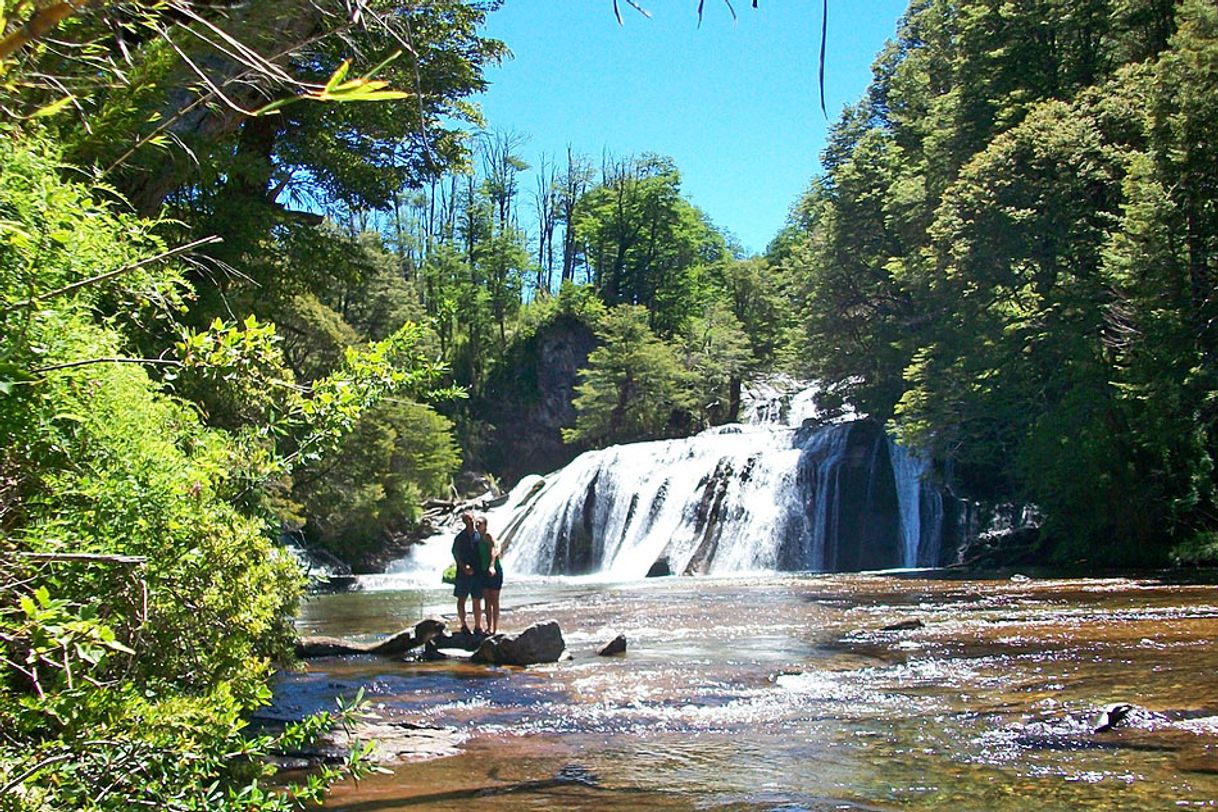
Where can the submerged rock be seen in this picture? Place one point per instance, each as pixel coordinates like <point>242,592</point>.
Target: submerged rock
<point>539,643</point>
<point>392,742</point>
<point>1112,715</point>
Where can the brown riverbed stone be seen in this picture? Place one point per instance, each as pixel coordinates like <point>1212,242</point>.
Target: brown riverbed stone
<point>396,742</point>
<point>1199,760</point>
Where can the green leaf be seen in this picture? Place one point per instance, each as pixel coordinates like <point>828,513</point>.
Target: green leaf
<point>54,107</point>
<point>385,62</point>
<point>338,76</point>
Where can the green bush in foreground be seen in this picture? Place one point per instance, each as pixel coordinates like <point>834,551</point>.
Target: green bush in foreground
<point>140,610</point>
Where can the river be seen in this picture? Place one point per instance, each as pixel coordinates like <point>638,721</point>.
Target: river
<point>784,692</point>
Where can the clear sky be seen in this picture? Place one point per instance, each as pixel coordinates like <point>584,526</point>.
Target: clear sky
<point>734,104</point>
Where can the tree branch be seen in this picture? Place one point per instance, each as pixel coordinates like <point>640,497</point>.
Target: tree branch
<point>165,362</point>
<point>43,21</point>
<point>117,272</point>
<point>46,762</point>
<point>87,557</point>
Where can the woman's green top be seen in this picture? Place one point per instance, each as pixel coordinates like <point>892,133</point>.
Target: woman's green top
<point>485,548</point>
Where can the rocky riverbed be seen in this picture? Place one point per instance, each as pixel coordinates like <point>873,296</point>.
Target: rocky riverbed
<point>798,692</point>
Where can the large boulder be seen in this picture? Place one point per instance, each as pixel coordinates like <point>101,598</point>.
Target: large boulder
<point>539,643</point>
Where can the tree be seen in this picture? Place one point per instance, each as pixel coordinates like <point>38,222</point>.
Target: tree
<point>855,313</point>
<point>371,488</point>
<point>634,387</point>
<point>1010,257</point>
<point>546,199</point>
<point>575,180</point>
<point>143,601</point>
<point>503,261</point>
<point>717,354</point>
<point>644,243</point>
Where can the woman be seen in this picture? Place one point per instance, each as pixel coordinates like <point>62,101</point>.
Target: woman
<point>492,574</point>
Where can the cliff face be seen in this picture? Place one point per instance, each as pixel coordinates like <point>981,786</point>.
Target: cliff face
<point>529,404</point>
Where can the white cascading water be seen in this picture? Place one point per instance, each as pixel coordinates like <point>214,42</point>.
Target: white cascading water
<point>734,499</point>
<point>921,507</point>
<point>616,511</point>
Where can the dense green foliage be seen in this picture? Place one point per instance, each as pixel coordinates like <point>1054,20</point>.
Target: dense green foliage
<point>371,487</point>
<point>162,409</point>
<point>627,240</point>
<point>141,608</point>
<point>1012,258</point>
<point>634,387</point>
<point>161,111</point>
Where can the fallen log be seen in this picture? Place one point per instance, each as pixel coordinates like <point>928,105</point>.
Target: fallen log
<point>392,646</point>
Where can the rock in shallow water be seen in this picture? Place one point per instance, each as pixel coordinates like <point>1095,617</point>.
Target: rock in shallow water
<point>1112,715</point>
<point>539,643</point>
<point>615,646</point>
<point>392,646</point>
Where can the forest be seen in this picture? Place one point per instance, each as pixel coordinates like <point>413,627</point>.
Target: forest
<point>264,268</point>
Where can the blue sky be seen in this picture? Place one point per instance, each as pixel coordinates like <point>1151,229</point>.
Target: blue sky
<point>734,104</point>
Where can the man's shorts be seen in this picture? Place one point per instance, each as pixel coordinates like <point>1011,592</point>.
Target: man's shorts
<point>467,585</point>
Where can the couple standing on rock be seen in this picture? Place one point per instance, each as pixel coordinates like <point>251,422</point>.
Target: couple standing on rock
<point>479,573</point>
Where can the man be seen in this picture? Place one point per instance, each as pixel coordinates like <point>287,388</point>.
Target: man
<point>469,580</point>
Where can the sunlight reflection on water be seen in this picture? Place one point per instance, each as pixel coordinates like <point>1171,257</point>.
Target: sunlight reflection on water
<point>789,693</point>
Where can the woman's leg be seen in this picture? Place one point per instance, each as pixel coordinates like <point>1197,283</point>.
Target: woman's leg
<point>492,609</point>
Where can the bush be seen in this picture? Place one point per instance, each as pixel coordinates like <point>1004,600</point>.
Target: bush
<point>140,611</point>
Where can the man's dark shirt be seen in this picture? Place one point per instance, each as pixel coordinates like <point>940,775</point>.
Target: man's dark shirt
<point>465,549</point>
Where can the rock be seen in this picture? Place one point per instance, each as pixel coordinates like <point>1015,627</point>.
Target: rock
<point>392,741</point>
<point>290,763</point>
<point>473,483</point>
<point>321,646</point>
<point>393,646</point>
<point>994,536</point>
<point>530,399</point>
<point>488,651</point>
<point>403,641</point>
<point>540,643</point>
<point>903,626</point>
<point>615,646</point>
<point>660,568</point>
<point>1111,716</point>
<point>335,584</point>
<point>467,641</point>
<point>431,653</point>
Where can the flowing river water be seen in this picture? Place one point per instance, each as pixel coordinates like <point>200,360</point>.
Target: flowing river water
<point>785,692</point>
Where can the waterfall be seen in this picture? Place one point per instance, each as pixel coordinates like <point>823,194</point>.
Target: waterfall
<point>731,500</point>
<point>921,507</point>
<point>771,495</point>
